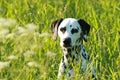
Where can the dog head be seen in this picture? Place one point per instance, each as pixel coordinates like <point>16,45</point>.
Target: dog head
<point>70,30</point>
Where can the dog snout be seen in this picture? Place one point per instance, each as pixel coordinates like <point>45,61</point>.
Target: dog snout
<point>67,42</point>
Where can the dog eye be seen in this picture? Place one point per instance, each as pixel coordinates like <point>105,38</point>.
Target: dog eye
<point>74,31</point>
<point>63,30</point>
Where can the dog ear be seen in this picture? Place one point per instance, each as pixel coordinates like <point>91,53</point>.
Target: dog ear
<point>54,27</point>
<point>85,28</point>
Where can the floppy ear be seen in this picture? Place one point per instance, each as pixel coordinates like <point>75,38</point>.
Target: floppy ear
<point>54,27</point>
<point>85,28</point>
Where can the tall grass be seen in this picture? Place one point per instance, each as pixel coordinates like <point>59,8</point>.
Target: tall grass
<point>27,51</point>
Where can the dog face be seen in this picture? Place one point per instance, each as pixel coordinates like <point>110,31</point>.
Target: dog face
<point>70,31</point>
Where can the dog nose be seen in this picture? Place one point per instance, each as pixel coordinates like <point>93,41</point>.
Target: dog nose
<point>67,42</point>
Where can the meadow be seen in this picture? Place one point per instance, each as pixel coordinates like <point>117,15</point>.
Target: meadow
<point>28,52</point>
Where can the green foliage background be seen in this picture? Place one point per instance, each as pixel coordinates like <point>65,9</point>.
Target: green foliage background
<point>103,44</point>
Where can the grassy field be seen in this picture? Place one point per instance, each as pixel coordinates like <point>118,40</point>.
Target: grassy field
<point>27,51</point>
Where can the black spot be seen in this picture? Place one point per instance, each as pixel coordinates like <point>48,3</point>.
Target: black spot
<point>70,67</point>
<point>74,31</point>
<point>82,69</point>
<point>69,74</point>
<point>84,55</point>
<point>78,40</point>
<point>70,54</point>
<point>73,48</point>
<point>70,25</point>
<point>94,78</point>
<point>79,47</point>
<point>77,52</point>
<point>67,56</point>
<point>68,61</point>
<point>64,65</point>
<point>73,57</point>
<point>69,50</point>
<point>64,50</point>
<point>77,59</point>
<point>62,58</point>
<point>76,47</point>
<point>63,29</point>
<point>84,50</point>
<point>88,57</point>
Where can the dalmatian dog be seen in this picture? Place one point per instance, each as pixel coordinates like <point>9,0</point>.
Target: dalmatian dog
<point>72,33</point>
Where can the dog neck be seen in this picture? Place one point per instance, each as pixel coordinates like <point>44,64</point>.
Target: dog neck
<point>72,53</point>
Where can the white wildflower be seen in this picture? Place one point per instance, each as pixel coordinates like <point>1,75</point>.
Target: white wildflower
<point>36,34</point>
<point>29,54</point>
<point>20,30</point>
<point>6,23</point>
<point>49,53</point>
<point>4,65</point>
<point>12,57</point>
<point>44,35</point>
<point>33,64</point>
<point>4,32</point>
<point>11,35</point>
<point>31,27</point>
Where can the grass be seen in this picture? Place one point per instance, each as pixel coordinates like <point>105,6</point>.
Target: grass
<point>27,51</point>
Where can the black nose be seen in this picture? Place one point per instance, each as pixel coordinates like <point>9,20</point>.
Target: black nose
<point>67,42</point>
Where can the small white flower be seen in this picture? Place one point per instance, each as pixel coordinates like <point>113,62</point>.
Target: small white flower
<point>31,27</point>
<point>33,64</point>
<point>36,33</point>
<point>12,57</point>
<point>4,65</point>
<point>50,53</point>
<point>4,32</point>
<point>10,22</point>
<point>11,35</point>
<point>29,54</point>
<point>44,35</point>
<point>20,30</point>
<point>6,23</point>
